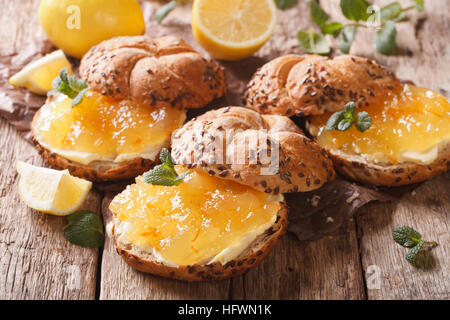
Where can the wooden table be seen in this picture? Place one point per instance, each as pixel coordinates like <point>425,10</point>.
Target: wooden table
<point>360,262</point>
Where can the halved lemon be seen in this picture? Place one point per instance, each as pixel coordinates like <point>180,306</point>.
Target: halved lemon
<point>51,191</point>
<point>233,29</point>
<point>38,75</point>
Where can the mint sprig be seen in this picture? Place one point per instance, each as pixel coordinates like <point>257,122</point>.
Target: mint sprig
<point>313,42</point>
<point>343,120</point>
<point>362,15</point>
<point>164,174</point>
<point>73,87</point>
<point>409,238</point>
<point>285,4</point>
<point>84,228</point>
<point>164,10</point>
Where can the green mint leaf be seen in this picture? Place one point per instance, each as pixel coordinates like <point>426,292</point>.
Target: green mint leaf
<point>342,120</point>
<point>333,28</point>
<point>318,16</point>
<point>166,157</point>
<point>84,228</point>
<point>349,117</point>
<point>355,10</point>
<point>344,125</point>
<point>349,111</point>
<point>160,175</point>
<point>77,100</point>
<point>410,238</point>
<point>285,4</point>
<point>392,11</point>
<point>164,174</point>
<point>73,87</point>
<point>334,119</point>
<point>313,42</point>
<point>163,11</point>
<point>419,5</point>
<point>406,236</point>
<point>363,121</point>
<point>412,253</point>
<point>346,38</point>
<point>385,38</point>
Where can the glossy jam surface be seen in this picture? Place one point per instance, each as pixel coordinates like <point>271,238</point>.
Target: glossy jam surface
<point>408,119</point>
<point>104,126</point>
<point>195,221</point>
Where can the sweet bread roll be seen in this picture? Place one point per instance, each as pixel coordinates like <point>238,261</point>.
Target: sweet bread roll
<point>312,85</point>
<point>139,88</point>
<point>156,72</point>
<point>213,142</point>
<point>408,140</point>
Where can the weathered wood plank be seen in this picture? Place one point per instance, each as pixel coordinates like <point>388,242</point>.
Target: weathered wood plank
<point>120,281</point>
<point>325,269</point>
<point>427,209</point>
<point>36,261</point>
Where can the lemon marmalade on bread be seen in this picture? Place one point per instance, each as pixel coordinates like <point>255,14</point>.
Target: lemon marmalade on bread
<point>101,128</point>
<point>408,124</point>
<point>204,219</point>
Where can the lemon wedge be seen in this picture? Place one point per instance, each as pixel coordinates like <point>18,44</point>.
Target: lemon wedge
<point>233,29</point>
<point>38,75</point>
<point>51,191</point>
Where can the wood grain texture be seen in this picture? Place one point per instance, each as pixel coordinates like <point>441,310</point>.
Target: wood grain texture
<point>427,209</point>
<point>36,261</point>
<point>325,269</point>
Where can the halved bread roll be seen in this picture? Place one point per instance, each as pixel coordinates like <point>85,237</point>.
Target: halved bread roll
<point>238,209</point>
<point>138,90</point>
<point>398,149</point>
<point>145,261</point>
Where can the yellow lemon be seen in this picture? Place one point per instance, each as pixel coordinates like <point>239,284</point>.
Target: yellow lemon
<point>77,25</point>
<point>233,29</point>
<point>38,75</point>
<point>51,191</point>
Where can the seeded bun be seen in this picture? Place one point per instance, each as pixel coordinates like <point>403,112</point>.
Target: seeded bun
<point>256,252</point>
<point>302,164</point>
<point>357,168</point>
<point>313,85</point>
<point>158,72</point>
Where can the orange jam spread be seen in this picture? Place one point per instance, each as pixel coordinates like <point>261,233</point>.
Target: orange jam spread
<point>196,220</point>
<point>105,126</point>
<point>408,120</point>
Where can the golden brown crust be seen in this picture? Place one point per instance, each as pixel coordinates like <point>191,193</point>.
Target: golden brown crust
<point>159,72</point>
<point>96,171</point>
<point>313,85</point>
<point>248,259</point>
<point>357,168</point>
<point>239,144</point>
